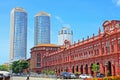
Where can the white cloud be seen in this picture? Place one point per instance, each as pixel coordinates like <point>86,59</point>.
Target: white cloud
<point>62,22</point>
<point>117,2</point>
<point>59,19</point>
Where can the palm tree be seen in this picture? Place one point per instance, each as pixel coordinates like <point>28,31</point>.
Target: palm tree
<point>95,68</point>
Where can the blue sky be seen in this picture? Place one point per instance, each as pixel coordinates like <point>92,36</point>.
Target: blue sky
<point>84,17</point>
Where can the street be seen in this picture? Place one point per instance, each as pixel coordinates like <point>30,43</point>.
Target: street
<point>33,78</point>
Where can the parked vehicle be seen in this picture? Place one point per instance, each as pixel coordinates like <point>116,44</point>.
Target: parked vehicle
<point>99,75</point>
<point>84,76</point>
<point>1,76</point>
<point>64,75</point>
<point>72,76</point>
<point>5,74</point>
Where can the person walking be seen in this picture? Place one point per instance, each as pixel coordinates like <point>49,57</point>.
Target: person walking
<point>28,77</point>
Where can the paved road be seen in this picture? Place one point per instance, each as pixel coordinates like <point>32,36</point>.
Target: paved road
<point>32,78</point>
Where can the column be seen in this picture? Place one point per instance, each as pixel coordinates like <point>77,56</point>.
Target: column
<point>116,68</point>
<point>106,73</point>
<point>100,50</point>
<point>84,71</point>
<point>69,69</point>
<point>116,46</point>
<point>89,70</point>
<point>101,68</point>
<point>113,70</point>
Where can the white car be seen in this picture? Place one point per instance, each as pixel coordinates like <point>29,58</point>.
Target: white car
<point>84,76</point>
<point>5,73</point>
<point>72,76</point>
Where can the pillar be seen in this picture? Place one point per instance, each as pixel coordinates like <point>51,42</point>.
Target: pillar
<point>116,46</point>
<point>100,51</point>
<point>101,68</point>
<point>113,70</point>
<point>70,69</point>
<point>89,70</point>
<point>84,71</point>
<point>116,68</point>
<point>106,70</point>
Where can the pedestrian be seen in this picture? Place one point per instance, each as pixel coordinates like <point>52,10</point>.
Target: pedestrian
<point>27,77</point>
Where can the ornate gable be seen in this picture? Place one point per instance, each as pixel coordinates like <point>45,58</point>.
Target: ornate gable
<point>105,34</point>
<point>67,43</point>
<point>111,25</point>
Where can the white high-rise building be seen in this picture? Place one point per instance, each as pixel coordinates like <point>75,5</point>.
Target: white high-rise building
<point>65,34</point>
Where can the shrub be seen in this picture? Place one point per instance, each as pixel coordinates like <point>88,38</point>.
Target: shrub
<point>106,78</point>
<point>51,72</point>
<point>95,79</point>
<point>111,78</point>
<point>117,78</point>
<point>100,78</point>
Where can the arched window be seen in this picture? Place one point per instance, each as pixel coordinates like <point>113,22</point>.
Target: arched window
<point>102,50</point>
<point>112,46</point>
<point>108,47</point>
<point>38,59</point>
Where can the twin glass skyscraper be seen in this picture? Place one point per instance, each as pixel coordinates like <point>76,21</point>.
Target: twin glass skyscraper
<point>18,34</point>
<point>42,28</point>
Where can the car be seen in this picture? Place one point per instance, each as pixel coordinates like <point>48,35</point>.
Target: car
<point>72,76</point>
<point>5,74</point>
<point>84,76</point>
<point>100,75</point>
<point>64,75</point>
<point>1,76</point>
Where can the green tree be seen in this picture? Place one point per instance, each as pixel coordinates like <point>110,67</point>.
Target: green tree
<point>23,65</point>
<point>18,66</point>
<point>4,68</point>
<point>95,69</point>
<point>15,67</point>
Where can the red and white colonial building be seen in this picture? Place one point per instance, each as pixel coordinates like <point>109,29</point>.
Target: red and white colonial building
<point>103,49</point>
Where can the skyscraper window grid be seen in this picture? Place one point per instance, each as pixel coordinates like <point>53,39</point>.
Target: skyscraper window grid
<point>18,34</point>
<point>42,28</point>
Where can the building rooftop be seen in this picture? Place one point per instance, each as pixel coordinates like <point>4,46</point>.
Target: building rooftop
<point>46,45</point>
<point>18,9</point>
<point>42,13</point>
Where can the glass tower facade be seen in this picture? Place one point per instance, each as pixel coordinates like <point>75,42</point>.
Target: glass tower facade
<point>42,28</point>
<point>18,41</point>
